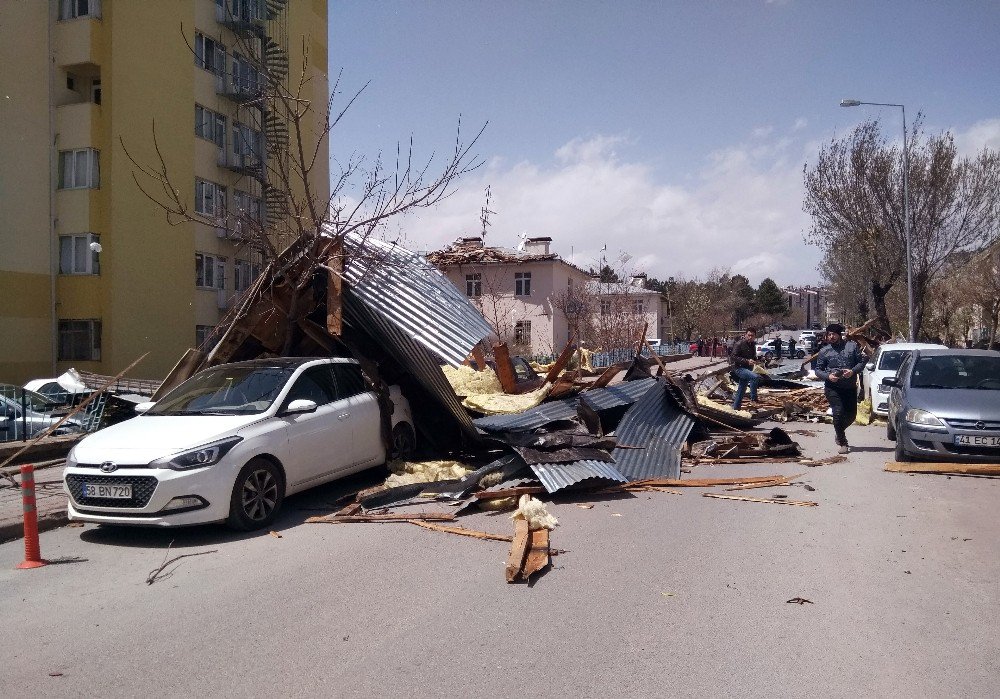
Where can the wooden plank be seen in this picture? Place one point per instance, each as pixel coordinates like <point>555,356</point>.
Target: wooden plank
<point>505,368</point>
<point>781,480</point>
<point>509,493</point>
<point>462,531</point>
<point>480,357</point>
<point>609,373</point>
<point>800,503</point>
<point>560,363</point>
<point>183,370</point>
<point>944,468</point>
<point>706,482</point>
<point>538,557</point>
<point>401,517</point>
<point>352,509</point>
<point>518,550</point>
<point>334,288</point>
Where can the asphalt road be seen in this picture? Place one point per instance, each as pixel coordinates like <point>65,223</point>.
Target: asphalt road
<point>656,595</point>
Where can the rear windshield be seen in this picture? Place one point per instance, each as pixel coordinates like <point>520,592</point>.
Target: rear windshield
<point>891,360</point>
<point>970,372</point>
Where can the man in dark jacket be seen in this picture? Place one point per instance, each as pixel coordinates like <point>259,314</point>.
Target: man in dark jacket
<point>839,364</point>
<point>743,359</point>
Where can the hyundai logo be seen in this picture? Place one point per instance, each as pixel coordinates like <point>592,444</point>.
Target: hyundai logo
<point>980,425</point>
<point>109,467</point>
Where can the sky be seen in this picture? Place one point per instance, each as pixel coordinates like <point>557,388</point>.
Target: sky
<point>662,137</point>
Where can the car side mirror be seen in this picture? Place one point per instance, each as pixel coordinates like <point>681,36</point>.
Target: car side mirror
<point>297,407</point>
<point>870,366</point>
<point>890,381</point>
<point>141,408</point>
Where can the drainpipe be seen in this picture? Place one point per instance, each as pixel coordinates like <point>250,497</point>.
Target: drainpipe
<point>53,174</point>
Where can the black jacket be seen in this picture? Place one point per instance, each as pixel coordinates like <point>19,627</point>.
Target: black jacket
<point>846,355</point>
<point>744,353</point>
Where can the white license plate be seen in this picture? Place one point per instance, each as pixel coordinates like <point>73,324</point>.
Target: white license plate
<point>975,440</point>
<point>113,492</point>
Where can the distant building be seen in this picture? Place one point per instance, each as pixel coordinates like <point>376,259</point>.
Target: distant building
<point>809,306</point>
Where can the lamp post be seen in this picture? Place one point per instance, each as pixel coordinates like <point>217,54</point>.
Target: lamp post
<point>906,207</point>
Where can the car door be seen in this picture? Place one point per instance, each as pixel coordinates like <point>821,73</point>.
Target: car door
<point>365,416</point>
<point>897,392</point>
<point>320,442</point>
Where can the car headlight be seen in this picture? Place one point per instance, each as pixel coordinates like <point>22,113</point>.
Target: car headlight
<point>199,457</point>
<point>916,416</point>
<point>882,388</point>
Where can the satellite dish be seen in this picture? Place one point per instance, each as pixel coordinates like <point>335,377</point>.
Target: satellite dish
<point>96,247</point>
<point>523,238</point>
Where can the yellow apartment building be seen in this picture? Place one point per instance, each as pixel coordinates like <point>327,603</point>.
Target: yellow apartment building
<point>92,272</point>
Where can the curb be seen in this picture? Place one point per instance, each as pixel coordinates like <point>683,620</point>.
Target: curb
<point>13,530</point>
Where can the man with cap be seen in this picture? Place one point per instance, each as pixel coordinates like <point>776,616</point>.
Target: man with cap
<point>838,365</point>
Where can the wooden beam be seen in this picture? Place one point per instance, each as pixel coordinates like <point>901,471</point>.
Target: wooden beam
<point>462,531</point>
<point>538,554</point>
<point>480,357</point>
<point>505,368</point>
<point>969,469</point>
<point>560,363</point>
<point>707,482</point>
<point>334,288</point>
<point>800,503</point>
<point>518,550</point>
<point>401,517</point>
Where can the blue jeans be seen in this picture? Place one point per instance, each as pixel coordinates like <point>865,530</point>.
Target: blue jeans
<point>745,376</point>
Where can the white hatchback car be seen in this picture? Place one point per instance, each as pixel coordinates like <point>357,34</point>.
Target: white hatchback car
<point>884,364</point>
<point>231,442</point>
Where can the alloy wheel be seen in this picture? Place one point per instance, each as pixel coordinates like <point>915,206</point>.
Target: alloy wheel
<point>260,494</point>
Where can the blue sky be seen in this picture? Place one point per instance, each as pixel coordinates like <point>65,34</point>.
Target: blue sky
<point>674,133</point>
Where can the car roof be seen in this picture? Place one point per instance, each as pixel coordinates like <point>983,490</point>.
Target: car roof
<point>284,362</point>
<point>910,346</point>
<point>958,353</point>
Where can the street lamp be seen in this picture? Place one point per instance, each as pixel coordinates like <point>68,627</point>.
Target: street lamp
<point>906,207</point>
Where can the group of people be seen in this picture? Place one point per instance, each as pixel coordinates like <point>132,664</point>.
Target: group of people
<point>838,364</point>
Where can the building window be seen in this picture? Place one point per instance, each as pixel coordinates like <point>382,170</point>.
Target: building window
<point>79,169</point>
<point>522,332</point>
<point>638,307</point>
<point>522,283</point>
<point>76,256</point>
<point>605,307</point>
<point>209,271</point>
<point>202,333</point>
<point>246,78</point>
<point>71,9</point>
<point>242,276</point>
<point>79,340</point>
<point>209,54</point>
<point>209,198</point>
<point>474,284</point>
<point>210,125</point>
<point>247,205</point>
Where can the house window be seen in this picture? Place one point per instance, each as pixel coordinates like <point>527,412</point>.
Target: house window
<point>209,54</point>
<point>209,271</point>
<point>241,276</point>
<point>79,169</point>
<point>246,77</point>
<point>79,340</point>
<point>522,332</point>
<point>202,333</point>
<point>76,255</point>
<point>246,142</point>
<point>71,9</point>
<point>522,283</point>
<point>474,284</point>
<point>210,125</point>
<point>209,198</point>
<point>605,307</point>
<point>638,307</point>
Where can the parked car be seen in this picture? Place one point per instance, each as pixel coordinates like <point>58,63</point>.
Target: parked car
<point>66,389</point>
<point>945,404</point>
<point>35,417</point>
<point>810,340</point>
<point>765,351</point>
<point>231,442</point>
<point>884,364</point>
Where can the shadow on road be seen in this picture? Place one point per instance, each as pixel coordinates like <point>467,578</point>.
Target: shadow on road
<point>296,509</point>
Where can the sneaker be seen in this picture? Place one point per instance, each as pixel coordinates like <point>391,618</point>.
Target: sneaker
<point>844,449</point>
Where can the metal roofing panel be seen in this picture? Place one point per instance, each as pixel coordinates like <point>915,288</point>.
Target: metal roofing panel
<point>624,393</point>
<point>530,419</point>
<point>785,370</point>
<point>409,292</point>
<point>658,425</point>
<point>555,477</point>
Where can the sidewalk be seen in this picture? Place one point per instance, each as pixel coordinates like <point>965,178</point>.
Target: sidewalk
<point>50,500</point>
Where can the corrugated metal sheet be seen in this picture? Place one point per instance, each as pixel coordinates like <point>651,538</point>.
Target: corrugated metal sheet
<point>657,424</point>
<point>558,476</point>
<point>414,296</point>
<point>785,370</point>
<point>530,419</point>
<point>614,396</point>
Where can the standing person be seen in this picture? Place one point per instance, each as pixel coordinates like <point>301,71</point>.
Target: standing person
<point>743,359</point>
<point>777,346</point>
<point>838,364</point>
<point>701,347</point>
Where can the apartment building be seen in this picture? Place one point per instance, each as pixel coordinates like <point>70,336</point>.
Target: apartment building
<point>809,306</point>
<point>93,273</point>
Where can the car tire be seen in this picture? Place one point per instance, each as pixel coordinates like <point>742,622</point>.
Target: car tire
<point>257,495</point>
<point>404,441</point>
<point>890,431</point>
<point>901,454</point>
<point>800,354</point>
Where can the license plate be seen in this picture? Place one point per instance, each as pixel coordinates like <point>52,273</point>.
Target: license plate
<point>113,492</point>
<point>976,440</point>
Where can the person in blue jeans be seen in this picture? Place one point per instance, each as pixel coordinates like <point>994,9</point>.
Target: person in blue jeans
<point>743,359</point>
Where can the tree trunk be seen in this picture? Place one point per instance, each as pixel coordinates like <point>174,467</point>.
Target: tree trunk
<point>879,293</point>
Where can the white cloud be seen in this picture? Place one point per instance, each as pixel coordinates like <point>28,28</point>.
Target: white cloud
<point>982,134</point>
<point>741,210</point>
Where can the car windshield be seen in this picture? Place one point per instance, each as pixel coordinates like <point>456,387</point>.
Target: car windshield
<point>225,390</point>
<point>890,361</point>
<point>957,371</point>
<point>34,401</point>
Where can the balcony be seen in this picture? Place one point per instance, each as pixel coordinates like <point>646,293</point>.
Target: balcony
<point>243,163</point>
<point>77,125</point>
<point>79,42</point>
<point>244,17</point>
<point>239,91</point>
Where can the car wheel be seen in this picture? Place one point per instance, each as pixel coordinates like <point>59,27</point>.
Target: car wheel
<point>768,356</point>
<point>404,441</point>
<point>800,354</point>
<point>901,454</point>
<point>257,495</point>
<point>890,431</point>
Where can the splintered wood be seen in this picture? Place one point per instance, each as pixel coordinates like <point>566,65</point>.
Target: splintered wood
<point>799,503</point>
<point>529,552</point>
<point>945,468</point>
<point>401,517</point>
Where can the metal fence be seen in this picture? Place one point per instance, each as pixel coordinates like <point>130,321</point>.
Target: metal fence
<point>24,415</point>
<point>601,360</point>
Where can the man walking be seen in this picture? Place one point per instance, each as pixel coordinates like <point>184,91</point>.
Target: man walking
<point>838,365</point>
<point>743,359</point>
